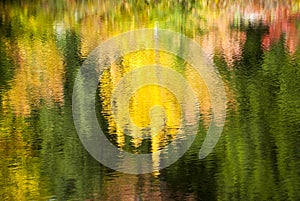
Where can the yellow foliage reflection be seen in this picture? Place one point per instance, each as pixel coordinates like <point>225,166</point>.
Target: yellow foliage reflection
<point>144,99</point>
<point>39,77</point>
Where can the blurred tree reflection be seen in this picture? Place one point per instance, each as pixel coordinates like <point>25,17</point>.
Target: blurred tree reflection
<point>255,47</point>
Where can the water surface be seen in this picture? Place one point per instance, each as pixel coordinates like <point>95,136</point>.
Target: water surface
<point>255,48</point>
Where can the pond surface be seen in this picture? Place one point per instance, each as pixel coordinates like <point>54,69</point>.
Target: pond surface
<point>254,46</point>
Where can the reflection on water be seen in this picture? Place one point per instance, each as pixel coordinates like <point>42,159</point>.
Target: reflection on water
<point>255,47</point>
<point>143,100</point>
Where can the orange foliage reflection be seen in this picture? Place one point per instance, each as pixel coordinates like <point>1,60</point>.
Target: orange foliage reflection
<point>39,77</point>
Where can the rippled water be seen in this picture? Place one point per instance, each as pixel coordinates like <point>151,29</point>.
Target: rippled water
<point>253,45</point>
